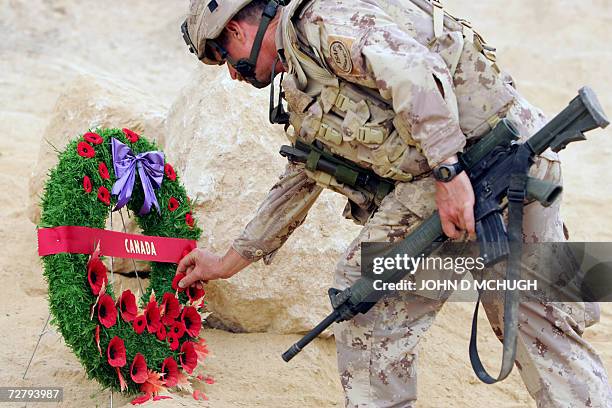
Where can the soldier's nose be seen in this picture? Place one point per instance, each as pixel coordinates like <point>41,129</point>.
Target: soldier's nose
<point>232,72</point>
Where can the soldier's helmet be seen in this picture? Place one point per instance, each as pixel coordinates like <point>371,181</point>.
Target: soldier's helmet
<point>205,22</point>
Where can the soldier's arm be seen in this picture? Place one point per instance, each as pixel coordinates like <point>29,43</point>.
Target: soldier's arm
<point>283,210</point>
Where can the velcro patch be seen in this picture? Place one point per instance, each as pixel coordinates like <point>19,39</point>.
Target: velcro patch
<point>340,54</point>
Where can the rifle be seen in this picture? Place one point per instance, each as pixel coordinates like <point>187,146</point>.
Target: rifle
<point>497,166</point>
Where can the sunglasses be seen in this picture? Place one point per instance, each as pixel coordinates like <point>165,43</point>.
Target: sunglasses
<point>213,53</point>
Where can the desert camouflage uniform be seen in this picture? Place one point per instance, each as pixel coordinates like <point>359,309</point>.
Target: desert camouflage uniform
<point>384,85</point>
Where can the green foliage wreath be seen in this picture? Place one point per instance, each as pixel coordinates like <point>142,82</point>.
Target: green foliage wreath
<point>78,194</point>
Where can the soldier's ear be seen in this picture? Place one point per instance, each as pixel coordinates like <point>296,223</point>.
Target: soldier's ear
<point>234,32</point>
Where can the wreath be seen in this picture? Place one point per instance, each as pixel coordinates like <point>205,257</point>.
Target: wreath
<point>147,345</point>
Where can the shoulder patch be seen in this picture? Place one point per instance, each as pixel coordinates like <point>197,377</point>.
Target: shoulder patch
<point>341,56</point>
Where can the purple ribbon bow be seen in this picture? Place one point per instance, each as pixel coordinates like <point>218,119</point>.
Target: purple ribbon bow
<point>150,167</point>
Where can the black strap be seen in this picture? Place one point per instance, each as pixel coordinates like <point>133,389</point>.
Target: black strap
<point>382,189</point>
<point>267,16</point>
<point>516,196</point>
<point>246,67</point>
<point>277,114</point>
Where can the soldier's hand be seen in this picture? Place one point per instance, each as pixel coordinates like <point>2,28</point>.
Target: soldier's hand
<point>455,201</point>
<point>202,265</point>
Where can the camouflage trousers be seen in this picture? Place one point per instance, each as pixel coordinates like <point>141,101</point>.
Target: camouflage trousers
<point>377,351</point>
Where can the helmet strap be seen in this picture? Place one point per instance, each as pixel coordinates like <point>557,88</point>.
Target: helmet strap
<point>246,67</point>
<point>277,114</point>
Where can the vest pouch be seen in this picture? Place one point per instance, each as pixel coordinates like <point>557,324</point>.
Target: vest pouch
<point>366,119</point>
<point>311,123</point>
<point>360,203</point>
<point>403,129</point>
<point>330,131</point>
<point>412,160</point>
<point>299,102</point>
<point>371,134</point>
<point>387,158</point>
<point>349,95</point>
<point>297,99</point>
<point>325,127</point>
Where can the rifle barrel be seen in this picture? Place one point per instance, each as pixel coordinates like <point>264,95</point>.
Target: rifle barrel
<point>310,336</point>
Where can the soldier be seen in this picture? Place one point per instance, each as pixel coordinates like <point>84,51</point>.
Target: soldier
<point>398,88</point>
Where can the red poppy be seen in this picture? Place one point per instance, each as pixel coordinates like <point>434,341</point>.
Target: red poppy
<point>189,358</point>
<point>197,394</point>
<point>87,184</point>
<point>97,337</point>
<point>127,306</point>
<point>153,384</point>
<point>142,399</point>
<point>173,204</point>
<point>201,349</point>
<point>170,371</point>
<point>175,282</point>
<point>170,307</point>
<point>103,170</point>
<point>152,315</point>
<point>96,274</point>
<point>131,135</point>
<point>116,352</point>
<point>139,324</point>
<point>170,173</point>
<point>104,195</point>
<point>138,370</point>
<point>189,219</point>
<point>172,341</point>
<point>84,149</point>
<point>195,292</point>
<point>209,380</point>
<point>161,332</point>
<point>122,382</point>
<point>192,321</point>
<point>161,397</point>
<point>177,329</point>
<point>93,138</point>
<point>107,312</point>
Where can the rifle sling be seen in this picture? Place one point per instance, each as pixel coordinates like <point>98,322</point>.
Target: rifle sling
<point>516,196</point>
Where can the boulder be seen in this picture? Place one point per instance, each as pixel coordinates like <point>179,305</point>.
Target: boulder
<point>88,103</point>
<point>226,152</point>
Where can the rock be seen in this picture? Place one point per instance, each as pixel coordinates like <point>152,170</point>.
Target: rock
<point>88,103</point>
<point>226,153</point>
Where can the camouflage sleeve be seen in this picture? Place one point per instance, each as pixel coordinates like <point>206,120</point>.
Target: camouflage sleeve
<point>363,44</point>
<point>282,211</point>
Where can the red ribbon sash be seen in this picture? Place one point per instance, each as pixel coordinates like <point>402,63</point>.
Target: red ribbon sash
<point>83,240</point>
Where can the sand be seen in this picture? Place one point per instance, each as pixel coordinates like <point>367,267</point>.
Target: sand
<point>551,47</point>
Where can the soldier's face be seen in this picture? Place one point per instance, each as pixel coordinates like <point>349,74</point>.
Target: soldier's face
<point>238,42</point>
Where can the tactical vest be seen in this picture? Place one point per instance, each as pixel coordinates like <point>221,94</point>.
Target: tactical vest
<point>357,123</point>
